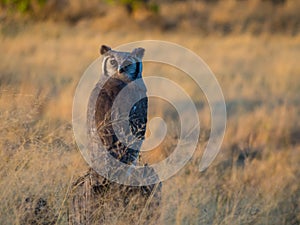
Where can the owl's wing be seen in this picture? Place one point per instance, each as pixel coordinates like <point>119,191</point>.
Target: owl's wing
<point>138,118</point>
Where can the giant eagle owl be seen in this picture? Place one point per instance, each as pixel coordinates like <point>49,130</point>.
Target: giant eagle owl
<point>119,70</point>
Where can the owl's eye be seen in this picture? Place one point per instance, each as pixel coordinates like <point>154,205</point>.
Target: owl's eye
<point>113,62</point>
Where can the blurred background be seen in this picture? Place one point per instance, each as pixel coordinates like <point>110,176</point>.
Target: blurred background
<point>253,48</point>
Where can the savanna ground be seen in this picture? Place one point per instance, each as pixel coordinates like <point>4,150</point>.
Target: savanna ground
<point>254,179</point>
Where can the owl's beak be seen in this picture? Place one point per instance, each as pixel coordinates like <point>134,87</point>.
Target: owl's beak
<point>121,70</point>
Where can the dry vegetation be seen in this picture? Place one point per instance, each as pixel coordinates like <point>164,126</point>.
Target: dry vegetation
<point>255,178</point>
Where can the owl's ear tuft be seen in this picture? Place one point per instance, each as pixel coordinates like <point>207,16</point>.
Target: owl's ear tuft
<point>104,49</point>
<point>138,52</point>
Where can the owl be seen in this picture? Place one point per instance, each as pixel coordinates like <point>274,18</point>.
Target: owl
<point>119,70</point>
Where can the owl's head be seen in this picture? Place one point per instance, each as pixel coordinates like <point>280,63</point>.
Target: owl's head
<point>126,66</point>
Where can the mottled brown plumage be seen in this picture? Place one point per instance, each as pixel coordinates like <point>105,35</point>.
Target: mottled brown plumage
<point>131,124</point>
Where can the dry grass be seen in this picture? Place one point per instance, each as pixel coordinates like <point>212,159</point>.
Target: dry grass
<point>254,179</point>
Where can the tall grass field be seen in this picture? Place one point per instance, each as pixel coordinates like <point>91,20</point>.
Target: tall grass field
<point>255,177</point>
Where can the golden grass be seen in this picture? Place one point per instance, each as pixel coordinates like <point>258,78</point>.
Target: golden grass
<point>254,179</point>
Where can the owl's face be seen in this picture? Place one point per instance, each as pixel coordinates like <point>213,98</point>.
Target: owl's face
<point>126,66</point>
